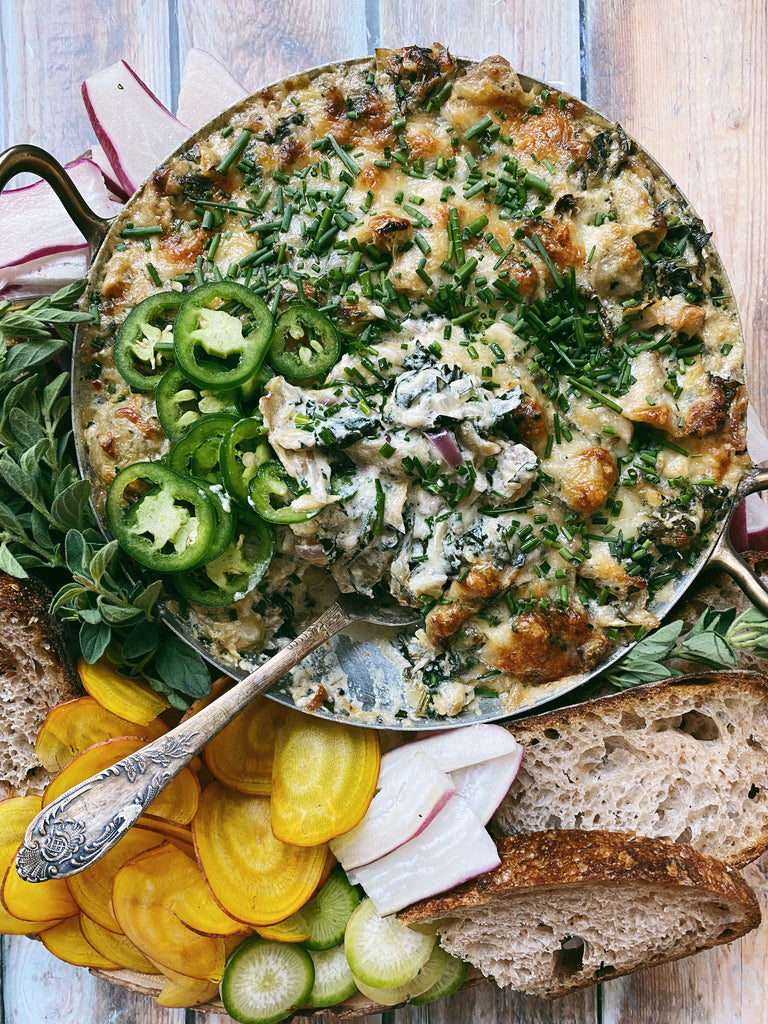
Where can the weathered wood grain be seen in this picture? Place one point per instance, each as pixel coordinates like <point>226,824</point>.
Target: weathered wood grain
<point>260,43</point>
<point>690,81</point>
<point>39,989</point>
<point>49,48</point>
<point>723,984</point>
<point>538,38</point>
<point>486,1004</point>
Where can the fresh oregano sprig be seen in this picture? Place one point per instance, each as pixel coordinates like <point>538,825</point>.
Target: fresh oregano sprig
<point>46,523</point>
<point>714,641</point>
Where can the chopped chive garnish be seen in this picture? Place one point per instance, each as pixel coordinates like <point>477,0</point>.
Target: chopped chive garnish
<point>466,270</point>
<point>353,167</point>
<point>477,225</point>
<point>378,523</point>
<point>154,229</point>
<point>594,393</point>
<point>155,277</point>
<point>234,154</point>
<point>478,128</point>
<point>422,243</point>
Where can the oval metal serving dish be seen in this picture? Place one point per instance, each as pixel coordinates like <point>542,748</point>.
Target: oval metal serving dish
<point>376,685</point>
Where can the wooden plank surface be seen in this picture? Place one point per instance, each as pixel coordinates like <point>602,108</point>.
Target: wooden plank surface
<point>49,48</point>
<point>688,78</point>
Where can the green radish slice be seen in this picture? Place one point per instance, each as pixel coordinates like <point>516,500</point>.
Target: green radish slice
<point>383,952</point>
<point>264,982</point>
<point>452,978</point>
<point>425,979</point>
<point>333,979</point>
<point>327,913</point>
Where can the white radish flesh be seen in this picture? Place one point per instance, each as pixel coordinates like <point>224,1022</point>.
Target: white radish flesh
<point>407,800</point>
<point>35,213</point>
<point>206,89</point>
<point>455,748</point>
<point>136,131</point>
<point>451,849</point>
<point>44,276</point>
<point>485,784</point>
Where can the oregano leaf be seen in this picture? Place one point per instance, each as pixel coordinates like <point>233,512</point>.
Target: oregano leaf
<point>94,640</point>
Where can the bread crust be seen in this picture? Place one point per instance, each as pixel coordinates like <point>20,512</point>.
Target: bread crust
<point>570,857</point>
<point>556,863</point>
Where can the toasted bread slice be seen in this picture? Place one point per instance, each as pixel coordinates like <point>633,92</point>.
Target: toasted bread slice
<point>36,674</point>
<point>568,908</point>
<point>685,760</point>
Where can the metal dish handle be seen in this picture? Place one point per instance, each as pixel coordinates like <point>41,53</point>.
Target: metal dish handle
<point>725,557</point>
<point>37,161</point>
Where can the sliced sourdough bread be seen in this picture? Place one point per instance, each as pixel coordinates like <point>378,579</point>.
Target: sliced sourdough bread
<point>685,760</point>
<point>36,674</point>
<point>569,908</point>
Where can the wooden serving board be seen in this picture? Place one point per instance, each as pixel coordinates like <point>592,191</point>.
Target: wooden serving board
<point>356,1006</point>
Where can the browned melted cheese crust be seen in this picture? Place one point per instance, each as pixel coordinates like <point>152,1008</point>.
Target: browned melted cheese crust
<point>523,280</point>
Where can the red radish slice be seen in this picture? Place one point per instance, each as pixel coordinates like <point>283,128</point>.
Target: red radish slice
<point>35,212</point>
<point>484,785</point>
<point>756,511</point>
<point>99,157</point>
<point>206,89</point>
<point>45,275</point>
<point>135,129</point>
<point>455,748</point>
<point>451,849</point>
<point>412,794</point>
<point>737,531</point>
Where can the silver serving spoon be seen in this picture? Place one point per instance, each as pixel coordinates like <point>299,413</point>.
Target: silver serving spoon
<point>84,823</point>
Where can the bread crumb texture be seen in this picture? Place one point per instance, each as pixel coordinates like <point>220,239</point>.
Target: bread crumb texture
<point>36,674</point>
<point>685,761</point>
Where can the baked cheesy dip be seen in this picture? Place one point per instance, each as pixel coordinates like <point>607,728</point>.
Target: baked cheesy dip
<point>499,373</point>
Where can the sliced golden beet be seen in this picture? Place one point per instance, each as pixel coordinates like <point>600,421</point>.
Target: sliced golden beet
<point>145,893</point>
<point>254,876</point>
<point>193,902</point>
<point>177,802</point>
<point>179,835</point>
<point>116,947</point>
<point>92,888</point>
<point>324,776</point>
<point>37,901</point>
<point>71,727</point>
<point>128,698</point>
<point>15,815</point>
<point>241,755</point>
<point>67,942</point>
<point>179,991</point>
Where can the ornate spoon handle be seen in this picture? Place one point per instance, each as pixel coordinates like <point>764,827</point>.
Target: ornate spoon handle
<point>84,823</point>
